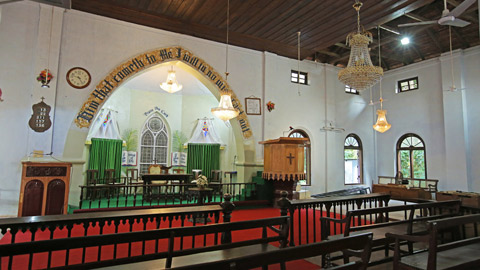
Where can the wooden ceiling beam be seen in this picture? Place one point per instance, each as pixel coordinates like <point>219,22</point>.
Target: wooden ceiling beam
<point>430,33</point>
<point>465,15</point>
<point>412,5</point>
<point>129,14</point>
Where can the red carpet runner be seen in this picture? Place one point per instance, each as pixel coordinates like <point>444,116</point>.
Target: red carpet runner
<point>40,260</point>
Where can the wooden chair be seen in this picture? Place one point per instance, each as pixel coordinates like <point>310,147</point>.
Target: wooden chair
<point>216,180</point>
<point>92,176</point>
<point>109,176</point>
<point>156,169</point>
<point>132,179</point>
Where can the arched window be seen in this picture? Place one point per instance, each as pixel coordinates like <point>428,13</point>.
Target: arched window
<point>298,133</point>
<point>153,144</point>
<point>411,158</point>
<point>352,151</point>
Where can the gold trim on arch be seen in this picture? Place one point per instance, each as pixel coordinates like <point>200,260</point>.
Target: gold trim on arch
<point>146,60</point>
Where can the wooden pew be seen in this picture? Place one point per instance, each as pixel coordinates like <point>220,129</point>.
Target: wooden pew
<point>80,225</point>
<point>379,222</point>
<point>360,242</point>
<point>176,247</point>
<point>460,251</point>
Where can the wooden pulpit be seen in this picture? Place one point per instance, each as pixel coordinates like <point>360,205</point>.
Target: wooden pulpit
<point>283,161</point>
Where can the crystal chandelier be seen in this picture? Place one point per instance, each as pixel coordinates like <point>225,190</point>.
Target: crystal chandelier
<point>225,110</point>
<point>171,85</point>
<point>360,73</point>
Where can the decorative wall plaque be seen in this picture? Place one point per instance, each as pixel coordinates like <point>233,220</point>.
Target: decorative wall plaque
<point>40,120</point>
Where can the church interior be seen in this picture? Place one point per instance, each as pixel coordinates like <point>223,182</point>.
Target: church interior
<point>168,131</point>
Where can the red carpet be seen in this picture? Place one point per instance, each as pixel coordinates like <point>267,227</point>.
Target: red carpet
<point>58,258</point>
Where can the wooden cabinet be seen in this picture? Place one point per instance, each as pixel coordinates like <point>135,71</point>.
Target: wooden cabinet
<point>44,188</point>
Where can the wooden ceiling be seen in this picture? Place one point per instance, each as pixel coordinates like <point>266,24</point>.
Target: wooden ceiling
<point>272,25</point>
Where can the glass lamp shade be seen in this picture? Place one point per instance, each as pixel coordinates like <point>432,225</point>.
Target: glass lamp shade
<point>225,110</point>
<point>382,125</point>
<point>171,85</point>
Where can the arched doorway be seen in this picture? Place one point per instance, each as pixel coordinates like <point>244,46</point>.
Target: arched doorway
<point>136,65</point>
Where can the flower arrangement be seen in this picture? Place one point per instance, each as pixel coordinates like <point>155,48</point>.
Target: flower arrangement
<point>45,77</point>
<point>270,106</point>
<point>202,181</point>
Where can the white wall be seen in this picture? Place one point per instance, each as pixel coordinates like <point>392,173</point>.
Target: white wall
<point>100,44</point>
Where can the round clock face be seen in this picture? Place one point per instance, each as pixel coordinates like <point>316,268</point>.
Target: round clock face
<point>78,77</point>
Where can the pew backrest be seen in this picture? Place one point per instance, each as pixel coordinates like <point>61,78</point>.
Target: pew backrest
<point>217,234</point>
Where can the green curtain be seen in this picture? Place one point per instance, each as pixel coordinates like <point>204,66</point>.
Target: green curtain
<point>204,156</point>
<point>106,154</point>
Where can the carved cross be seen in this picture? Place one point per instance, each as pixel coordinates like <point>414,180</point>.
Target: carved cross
<point>290,157</point>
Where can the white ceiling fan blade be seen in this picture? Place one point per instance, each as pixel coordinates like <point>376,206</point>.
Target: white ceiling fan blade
<point>456,22</point>
<point>417,23</point>
<point>461,8</point>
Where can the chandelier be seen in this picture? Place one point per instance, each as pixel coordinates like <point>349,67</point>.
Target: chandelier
<point>381,125</point>
<point>360,73</point>
<point>171,85</point>
<point>225,110</point>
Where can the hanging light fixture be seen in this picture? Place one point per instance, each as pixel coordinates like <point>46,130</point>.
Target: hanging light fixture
<point>225,110</point>
<point>171,85</point>
<point>360,73</point>
<point>382,125</point>
<point>45,75</point>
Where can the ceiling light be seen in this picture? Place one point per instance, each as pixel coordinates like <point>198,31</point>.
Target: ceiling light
<point>360,73</point>
<point>405,41</point>
<point>225,110</point>
<point>381,125</point>
<point>171,85</point>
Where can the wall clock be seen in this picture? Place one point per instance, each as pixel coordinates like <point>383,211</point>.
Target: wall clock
<point>78,77</point>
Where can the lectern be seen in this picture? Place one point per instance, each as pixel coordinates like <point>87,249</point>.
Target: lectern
<point>283,161</point>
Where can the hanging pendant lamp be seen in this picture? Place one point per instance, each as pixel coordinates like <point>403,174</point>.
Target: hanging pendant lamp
<point>225,110</point>
<point>382,125</point>
<point>360,73</point>
<point>171,85</point>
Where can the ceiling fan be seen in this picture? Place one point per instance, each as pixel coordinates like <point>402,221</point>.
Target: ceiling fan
<point>448,17</point>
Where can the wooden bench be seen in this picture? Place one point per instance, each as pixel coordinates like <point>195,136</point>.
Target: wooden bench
<point>452,244</point>
<point>205,238</point>
<point>410,219</point>
<point>360,242</point>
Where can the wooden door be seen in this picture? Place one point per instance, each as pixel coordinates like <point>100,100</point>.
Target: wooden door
<point>33,198</point>
<point>55,197</point>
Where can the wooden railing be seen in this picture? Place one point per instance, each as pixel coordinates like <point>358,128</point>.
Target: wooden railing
<point>138,195</point>
<point>327,207</point>
<point>35,227</point>
<point>427,184</point>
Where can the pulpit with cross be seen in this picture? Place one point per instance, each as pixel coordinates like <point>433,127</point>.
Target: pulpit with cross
<point>283,161</point>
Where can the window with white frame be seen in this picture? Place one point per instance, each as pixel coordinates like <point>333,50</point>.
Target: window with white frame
<point>352,151</point>
<point>153,144</point>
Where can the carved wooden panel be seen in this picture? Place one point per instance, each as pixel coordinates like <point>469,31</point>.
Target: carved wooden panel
<point>52,197</point>
<point>33,198</point>
<point>55,197</point>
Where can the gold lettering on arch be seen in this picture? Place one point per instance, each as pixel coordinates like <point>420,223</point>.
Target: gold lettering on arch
<point>143,61</point>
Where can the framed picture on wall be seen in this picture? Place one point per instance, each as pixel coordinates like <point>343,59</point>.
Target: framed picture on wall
<point>253,106</point>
